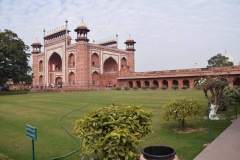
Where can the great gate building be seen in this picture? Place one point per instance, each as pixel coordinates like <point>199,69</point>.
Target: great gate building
<point>84,65</point>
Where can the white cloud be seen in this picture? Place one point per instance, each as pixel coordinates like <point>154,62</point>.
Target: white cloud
<point>169,34</point>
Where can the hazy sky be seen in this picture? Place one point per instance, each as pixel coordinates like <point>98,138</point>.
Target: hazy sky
<point>169,34</point>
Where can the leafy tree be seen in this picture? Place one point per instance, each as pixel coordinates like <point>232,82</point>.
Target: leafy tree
<point>219,61</point>
<point>13,58</point>
<point>233,94</point>
<point>213,90</point>
<point>181,110</point>
<point>113,132</point>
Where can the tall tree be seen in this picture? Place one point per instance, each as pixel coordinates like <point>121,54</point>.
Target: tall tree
<point>219,61</point>
<point>13,58</point>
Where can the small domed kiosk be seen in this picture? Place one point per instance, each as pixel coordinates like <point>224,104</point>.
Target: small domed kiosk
<point>82,31</point>
<point>130,44</point>
<point>36,46</point>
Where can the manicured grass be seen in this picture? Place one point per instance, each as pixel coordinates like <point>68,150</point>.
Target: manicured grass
<point>43,111</point>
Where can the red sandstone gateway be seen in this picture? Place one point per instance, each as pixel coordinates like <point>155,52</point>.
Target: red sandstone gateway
<point>84,65</point>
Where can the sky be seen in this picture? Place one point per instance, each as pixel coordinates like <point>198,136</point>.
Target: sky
<point>169,34</point>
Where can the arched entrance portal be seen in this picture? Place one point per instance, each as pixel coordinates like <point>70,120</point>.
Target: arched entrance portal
<point>155,82</point>
<point>130,84</point>
<point>110,66</point>
<point>139,84</point>
<point>58,81</point>
<point>186,82</point>
<point>175,82</point>
<point>165,83</point>
<point>54,66</point>
<point>236,82</point>
<point>146,83</point>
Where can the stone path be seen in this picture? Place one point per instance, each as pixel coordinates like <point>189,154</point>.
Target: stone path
<point>225,147</point>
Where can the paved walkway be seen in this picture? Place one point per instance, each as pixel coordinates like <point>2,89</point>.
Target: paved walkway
<point>225,147</point>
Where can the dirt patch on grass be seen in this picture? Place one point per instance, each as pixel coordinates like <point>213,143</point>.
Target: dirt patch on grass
<point>189,130</point>
<point>205,145</point>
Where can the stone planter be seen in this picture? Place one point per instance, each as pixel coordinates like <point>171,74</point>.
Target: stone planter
<point>158,153</point>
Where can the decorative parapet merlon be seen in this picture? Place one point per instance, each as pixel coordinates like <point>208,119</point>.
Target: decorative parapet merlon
<point>110,42</point>
<point>56,33</point>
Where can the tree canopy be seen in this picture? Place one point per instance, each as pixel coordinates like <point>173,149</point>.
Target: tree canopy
<point>219,61</point>
<point>13,58</point>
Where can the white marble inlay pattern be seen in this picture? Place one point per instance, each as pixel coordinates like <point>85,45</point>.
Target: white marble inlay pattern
<point>71,70</point>
<point>106,56</point>
<point>96,70</point>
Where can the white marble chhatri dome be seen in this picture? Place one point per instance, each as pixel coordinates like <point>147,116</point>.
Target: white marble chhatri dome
<point>230,58</point>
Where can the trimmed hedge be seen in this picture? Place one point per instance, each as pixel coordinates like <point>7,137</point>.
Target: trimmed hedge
<point>13,92</point>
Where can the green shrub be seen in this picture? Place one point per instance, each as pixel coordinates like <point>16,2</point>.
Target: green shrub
<point>135,88</point>
<point>184,87</point>
<point>144,87</point>
<point>164,87</point>
<point>126,88</point>
<point>118,88</point>
<point>113,132</point>
<point>175,87</point>
<point>153,87</point>
<point>13,92</point>
<point>224,103</point>
<point>232,94</point>
<point>181,110</point>
<point>4,157</point>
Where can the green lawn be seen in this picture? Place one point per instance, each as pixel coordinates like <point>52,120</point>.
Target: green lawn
<point>43,111</point>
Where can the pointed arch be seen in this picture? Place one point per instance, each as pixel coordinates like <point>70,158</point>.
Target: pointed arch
<point>110,66</point>
<point>95,60</point>
<point>40,65</point>
<point>71,78</point>
<point>55,63</point>
<point>123,62</point>
<point>95,78</point>
<point>71,61</point>
<point>41,80</point>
